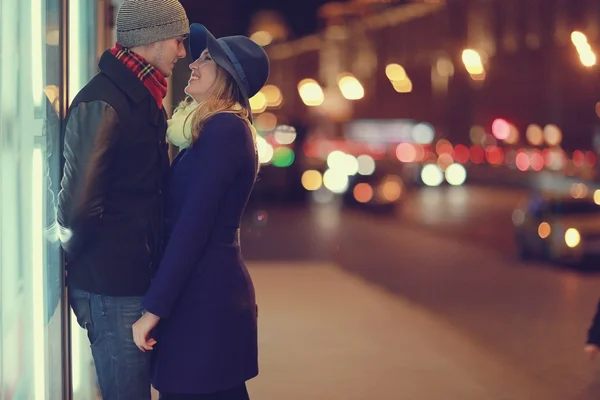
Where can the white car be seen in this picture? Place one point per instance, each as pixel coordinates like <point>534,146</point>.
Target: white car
<point>557,228</point>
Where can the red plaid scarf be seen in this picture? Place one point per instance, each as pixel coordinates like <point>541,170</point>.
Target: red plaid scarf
<point>150,76</point>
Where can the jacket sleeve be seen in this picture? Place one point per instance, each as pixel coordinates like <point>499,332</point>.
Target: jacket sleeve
<point>90,136</point>
<point>215,160</point>
<point>594,331</point>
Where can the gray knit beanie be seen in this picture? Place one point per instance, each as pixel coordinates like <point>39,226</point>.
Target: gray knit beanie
<point>141,22</point>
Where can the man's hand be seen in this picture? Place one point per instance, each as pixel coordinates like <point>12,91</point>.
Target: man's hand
<point>141,331</point>
<point>591,350</point>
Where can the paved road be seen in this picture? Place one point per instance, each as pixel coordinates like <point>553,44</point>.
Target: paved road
<point>449,253</point>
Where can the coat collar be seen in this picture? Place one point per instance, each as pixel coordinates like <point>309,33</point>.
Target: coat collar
<point>122,77</point>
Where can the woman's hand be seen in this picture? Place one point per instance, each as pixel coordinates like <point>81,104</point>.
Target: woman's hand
<point>591,350</point>
<point>141,331</point>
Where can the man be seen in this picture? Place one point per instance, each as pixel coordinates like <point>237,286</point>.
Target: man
<point>110,206</point>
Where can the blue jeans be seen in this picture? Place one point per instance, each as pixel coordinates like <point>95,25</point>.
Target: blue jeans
<point>123,370</point>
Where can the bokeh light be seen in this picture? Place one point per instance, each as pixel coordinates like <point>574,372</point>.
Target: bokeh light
<point>264,149</point>
<point>390,189</point>
<point>522,161</point>
<point>273,95</point>
<point>350,87</point>
<point>552,135</point>
<point>544,230</point>
<point>423,133</point>
<point>432,175</point>
<point>535,135</point>
<point>597,196</point>
<point>265,122</point>
<point>283,157</point>
<point>284,134</point>
<point>572,237</point>
<point>336,181</point>
<point>312,180</point>
<point>363,192</point>
<point>501,129</point>
<point>366,164</point>
<point>311,92</point>
<point>461,154</point>
<point>258,103</point>
<point>456,174</point>
<point>406,152</point>
<point>477,134</point>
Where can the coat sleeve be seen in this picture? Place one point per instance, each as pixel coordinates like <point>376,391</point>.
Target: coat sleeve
<point>594,330</point>
<point>215,159</point>
<point>91,133</point>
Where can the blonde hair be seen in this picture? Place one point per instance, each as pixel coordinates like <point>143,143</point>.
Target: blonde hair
<point>226,97</point>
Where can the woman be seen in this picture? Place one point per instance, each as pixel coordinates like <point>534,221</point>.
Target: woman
<point>206,341</point>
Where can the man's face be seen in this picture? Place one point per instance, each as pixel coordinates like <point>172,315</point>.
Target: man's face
<point>164,55</point>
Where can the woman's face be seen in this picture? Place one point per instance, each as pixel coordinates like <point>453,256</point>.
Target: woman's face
<point>202,78</point>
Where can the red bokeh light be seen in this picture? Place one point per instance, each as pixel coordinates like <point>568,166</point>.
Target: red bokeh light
<point>477,154</point>
<point>461,154</point>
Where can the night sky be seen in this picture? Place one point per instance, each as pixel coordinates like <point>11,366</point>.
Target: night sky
<point>300,14</point>
<point>233,16</point>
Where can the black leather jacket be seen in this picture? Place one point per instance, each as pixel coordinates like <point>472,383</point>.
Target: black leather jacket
<point>111,203</point>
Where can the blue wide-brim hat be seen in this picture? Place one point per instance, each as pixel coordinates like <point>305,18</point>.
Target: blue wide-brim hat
<point>244,59</point>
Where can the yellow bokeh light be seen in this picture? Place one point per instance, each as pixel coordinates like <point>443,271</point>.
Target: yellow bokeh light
<point>535,135</point>
<point>398,78</point>
<point>578,38</point>
<point>311,92</point>
<point>597,197</point>
<point>473,64</point>
<point>572,237</point>
<point>312,180</point>
<point>262,38</point>
<point>544,230</point>
<point>479,76</point>
<point>395,72</point>
<point>404,86</point>
<point>588,58</point>
<point>273,95</point>
<point>350,87</point>
<point>552,135</point>
<point>586,55</point>
<point>258,103</point>
<point>471,58</point>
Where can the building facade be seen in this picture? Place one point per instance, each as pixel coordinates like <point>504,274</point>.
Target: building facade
<point>464,63</point>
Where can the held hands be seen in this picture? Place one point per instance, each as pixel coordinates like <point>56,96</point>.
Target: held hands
<point>591,350</point>
<point>141,331</point>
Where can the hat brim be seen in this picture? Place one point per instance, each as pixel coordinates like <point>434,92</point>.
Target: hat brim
<point>200,39</point>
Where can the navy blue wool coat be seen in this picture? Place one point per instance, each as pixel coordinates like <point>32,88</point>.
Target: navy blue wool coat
<point>207,335</point>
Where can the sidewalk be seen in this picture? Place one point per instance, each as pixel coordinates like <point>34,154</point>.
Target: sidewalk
<point>327,335</point>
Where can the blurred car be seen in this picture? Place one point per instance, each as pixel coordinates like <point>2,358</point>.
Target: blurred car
<point>557,228</point>
<point>376,193</point>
